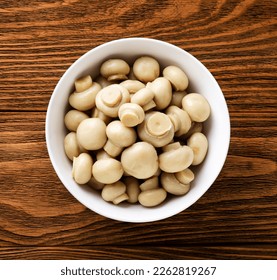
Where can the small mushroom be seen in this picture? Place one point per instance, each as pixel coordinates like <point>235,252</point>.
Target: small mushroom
<point>115,192</point>
<point>83,83</point>
<point>133,189</point>
<point>84,100</point>
<point>81,171</point>
<point>146,69</point>
<point>91,134</point>
<point>153,197</point>
<point>156,129</point>
<point>132,85</point>
<point>149,184</point>
<point>131,114</point>
<point>176,159</point>
<point>177,97</point>
<point>115,69</point>
<point>71,146</point>
<point>180,119</point>
<point>198,142</point>
<point>172,185</point>
<point>107,171</point>
<point>185,176</point>
<point>140,160</point>
<point>197,107</point>
<point>177,77</point>
<point>110,98</point>
<point>73,118</point>
<point>119,137</point>
<point>144,98</point>
<point>162,91</point>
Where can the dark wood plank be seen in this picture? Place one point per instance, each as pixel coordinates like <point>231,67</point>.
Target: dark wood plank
<point>251,252</point>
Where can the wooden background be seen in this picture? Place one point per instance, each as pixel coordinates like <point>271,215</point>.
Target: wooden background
<point>235,219</point>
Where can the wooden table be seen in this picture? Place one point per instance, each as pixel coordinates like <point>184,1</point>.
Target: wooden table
<point>235,219</point>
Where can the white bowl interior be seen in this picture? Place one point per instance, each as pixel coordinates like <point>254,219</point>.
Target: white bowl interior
<point>217,128</point>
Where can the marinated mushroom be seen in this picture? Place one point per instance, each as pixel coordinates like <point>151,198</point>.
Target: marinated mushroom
<point>146,69</point>
<point>110,98</point>
<point>114,192</point>
<point>162,92</point>
<point>84,100</point>
<point>95,184</point>
<point>199,144</point>
<point>140,160</point>
<point>87,136</point>
<point>185,176</point>
<point>132,85</point>
<point>157,129</point>
<point>149,184</point>
<point>131,114</point>
<point>180,119</point>
<point>153,197</point>
<point>176,159</point>
<point>119,136</point>
<point>115,69</point>
<point>197,107</point>
<point>71,146</point>
<point>144,98</point>
<point>83,83</point>
<point>107,171</point>
<point>195,127</point>
<point>73,118</point>
<point>172,185</point>
<point>81,171</point>
<point>177,77</point>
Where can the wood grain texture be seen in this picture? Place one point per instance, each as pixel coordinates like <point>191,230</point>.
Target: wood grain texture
<point>236,218</point>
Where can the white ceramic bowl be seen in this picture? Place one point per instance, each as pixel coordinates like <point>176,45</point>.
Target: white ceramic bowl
<point>217,128</point>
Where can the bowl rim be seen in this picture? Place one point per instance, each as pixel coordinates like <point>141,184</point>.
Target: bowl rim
<point>170,212</point>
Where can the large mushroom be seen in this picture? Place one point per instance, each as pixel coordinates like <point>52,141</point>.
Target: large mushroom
<point>140,160</point>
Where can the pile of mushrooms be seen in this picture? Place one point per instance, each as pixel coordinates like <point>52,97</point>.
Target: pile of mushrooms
<point>134,133</point>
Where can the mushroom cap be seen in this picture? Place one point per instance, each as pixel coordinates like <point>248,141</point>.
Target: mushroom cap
<point>71,146</point>
<point>180,119</point>
<point>176,160</point>
<point>107,171</point>
<point>91,134</point>
<point>177,77</point>
<point>81,170</point>
<point>132,85</point>
<point>172,185</point>
<point>197,107</point>
<point>120,135</point>
<point>73,118</point>
<point>131,114</point>
<point>110,98</point>
<point>156,129</point>
<point>83,83</point>
<point>143,96</point>
<point>140,160</point>
<point>111,191</point>
<point>133,189</point>
<point>146,69</point>
<point>198,142</point>
<point>113,67</point>
<point>162,91</point>
<point>84,100</point>
<point>153,197</point>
